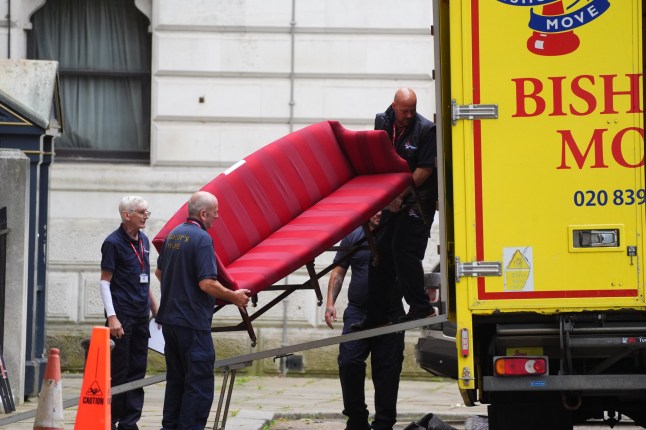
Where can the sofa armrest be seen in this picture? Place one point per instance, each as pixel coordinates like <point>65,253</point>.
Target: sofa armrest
<point>369,151</point>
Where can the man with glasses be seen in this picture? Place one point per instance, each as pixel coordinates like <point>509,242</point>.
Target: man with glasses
<point>128,302</point>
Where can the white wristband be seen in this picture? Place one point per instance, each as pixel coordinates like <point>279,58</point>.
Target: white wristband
<point>107,298</point>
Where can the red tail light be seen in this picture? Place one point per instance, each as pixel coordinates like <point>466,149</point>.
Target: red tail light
<point>464,342</point>
<point>520,366</point>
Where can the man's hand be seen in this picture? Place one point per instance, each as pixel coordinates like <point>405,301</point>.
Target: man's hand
<point>396,205</point>
<point>330,316</point>
<point>116,330</point>
<point>240,298</point>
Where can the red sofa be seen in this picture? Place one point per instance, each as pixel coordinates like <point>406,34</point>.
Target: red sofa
<point>293,199</point>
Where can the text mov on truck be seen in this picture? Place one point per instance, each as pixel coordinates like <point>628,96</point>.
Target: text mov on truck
<point>541,163</point>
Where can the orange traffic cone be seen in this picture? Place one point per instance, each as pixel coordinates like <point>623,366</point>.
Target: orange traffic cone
<point>553,43</point>
<point>94,404</point>
<point>49,415</point>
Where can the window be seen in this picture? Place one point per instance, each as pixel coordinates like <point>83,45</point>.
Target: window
<point>104,52</point>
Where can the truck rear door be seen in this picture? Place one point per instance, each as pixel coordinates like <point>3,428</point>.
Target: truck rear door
<point>548,181</point>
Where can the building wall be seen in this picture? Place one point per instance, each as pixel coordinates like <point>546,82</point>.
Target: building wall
<point>228,77</point>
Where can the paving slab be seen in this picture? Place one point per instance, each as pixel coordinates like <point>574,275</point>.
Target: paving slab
<point>259,400</point>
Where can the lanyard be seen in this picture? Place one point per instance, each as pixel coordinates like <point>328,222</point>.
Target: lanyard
<point>195,222</point>
<point>395,136</point>
<point>141,248</point>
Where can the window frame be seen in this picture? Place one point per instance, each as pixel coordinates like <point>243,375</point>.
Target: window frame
<point>145,77</point>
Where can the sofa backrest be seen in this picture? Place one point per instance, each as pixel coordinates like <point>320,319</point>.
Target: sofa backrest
<point>271,187</point>
<point>381,157</point>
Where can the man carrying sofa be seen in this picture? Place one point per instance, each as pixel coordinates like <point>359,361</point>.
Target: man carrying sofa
<point>402,243</point>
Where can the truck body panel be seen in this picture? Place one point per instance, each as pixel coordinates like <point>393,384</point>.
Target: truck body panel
<point>541,161</point>
<point>563,159</point>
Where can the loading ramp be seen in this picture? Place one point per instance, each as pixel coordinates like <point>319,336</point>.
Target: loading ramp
<point>231,365</point>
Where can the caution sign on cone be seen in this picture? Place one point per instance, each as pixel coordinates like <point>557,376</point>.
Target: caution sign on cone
<point>94,403</point>
<point>49,415</point>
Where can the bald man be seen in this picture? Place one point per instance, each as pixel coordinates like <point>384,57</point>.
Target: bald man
<point>188,273</point>
<point>402,243</point>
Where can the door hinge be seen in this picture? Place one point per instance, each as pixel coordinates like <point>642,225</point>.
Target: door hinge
<point>477,268</point>
<point>481,111</point>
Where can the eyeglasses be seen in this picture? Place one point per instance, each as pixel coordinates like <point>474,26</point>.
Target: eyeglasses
<point>144,212</point>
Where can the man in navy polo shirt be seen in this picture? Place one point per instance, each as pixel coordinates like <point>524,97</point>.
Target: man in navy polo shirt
<point>386,351</point>
<point>188,273</point>
<point>128,302</point>
<point>402,243</point>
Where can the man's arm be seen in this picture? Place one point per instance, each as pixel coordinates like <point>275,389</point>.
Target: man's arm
<point>334,286</point>
<point>215,289</point>
<point>153,303</point>
<point>420,175</point>
<point>114,324</point>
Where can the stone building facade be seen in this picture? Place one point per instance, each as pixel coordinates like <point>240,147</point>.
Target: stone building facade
<point>225,78</point>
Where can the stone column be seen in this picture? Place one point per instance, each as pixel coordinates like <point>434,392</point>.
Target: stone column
<point>14,195</point>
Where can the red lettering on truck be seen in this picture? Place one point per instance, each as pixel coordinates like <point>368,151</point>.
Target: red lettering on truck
<point>534,94</point>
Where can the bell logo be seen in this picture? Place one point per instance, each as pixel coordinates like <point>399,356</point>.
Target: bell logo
<point>555,24</point>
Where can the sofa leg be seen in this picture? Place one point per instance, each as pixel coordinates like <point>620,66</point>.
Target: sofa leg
<point>247,322</point>
<point>372,243</point>
<point>314,281</point>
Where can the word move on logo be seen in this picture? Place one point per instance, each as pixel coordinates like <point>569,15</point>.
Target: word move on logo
<point>554,25</point>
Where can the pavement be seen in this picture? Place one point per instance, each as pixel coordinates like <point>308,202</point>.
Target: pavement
<point>284,402</point>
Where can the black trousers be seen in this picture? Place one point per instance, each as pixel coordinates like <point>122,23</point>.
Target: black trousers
<point>401,246</point>
<point>190,361</point>
<point>129,359</point>
<point>386,357</point>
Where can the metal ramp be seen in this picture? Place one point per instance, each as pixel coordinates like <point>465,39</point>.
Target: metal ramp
<point>231,365</point>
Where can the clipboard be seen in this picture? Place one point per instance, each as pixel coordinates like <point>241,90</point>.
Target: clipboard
<point>156,341</point>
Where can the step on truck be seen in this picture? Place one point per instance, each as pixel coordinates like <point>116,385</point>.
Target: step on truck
<point>541,157</point>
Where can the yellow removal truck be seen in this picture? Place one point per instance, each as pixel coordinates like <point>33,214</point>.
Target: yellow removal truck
<point>541,140</point>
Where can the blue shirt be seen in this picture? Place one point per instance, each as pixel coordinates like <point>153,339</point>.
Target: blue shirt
<point>417,145</point>
<point>358,262</point>
<point>186,258</point>
<point>124,256</point>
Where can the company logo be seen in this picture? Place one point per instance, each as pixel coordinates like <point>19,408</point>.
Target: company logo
<point>554,25</point>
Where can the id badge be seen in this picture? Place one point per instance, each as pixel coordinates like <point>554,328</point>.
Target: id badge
<point>143,278</point>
